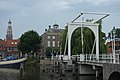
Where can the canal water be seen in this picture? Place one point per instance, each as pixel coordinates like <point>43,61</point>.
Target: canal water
<point>33,73</point>
<point>9,74</point>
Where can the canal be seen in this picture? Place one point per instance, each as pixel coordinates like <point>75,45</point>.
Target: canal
<point>33,73</point>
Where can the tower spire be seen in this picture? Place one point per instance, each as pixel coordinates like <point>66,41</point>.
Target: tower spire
<point>9,34</point>
<point>9,22</point>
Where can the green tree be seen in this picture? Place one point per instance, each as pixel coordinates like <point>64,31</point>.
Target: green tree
<point>29,41</point>
<point>48,52</point>
<point>117,33</point>
<point>52,50</point>
<point>88,40</point>
<point>101,38</point>
<point>63,39</point>
<point>76,41</point>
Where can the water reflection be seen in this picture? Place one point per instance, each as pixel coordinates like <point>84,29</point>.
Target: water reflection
<point>87,78</point>
<point>67,76</point>
<point>33,73</point>
<point>9,74</point>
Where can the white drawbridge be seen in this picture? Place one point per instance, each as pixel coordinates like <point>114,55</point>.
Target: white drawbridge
<point>72,26</point>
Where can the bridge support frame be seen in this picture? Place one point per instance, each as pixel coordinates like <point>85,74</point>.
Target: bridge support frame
<point>74,25</point>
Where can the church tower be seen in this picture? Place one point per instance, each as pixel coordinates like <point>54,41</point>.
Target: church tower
<point>9,34</point>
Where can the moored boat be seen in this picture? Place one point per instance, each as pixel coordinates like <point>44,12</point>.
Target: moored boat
<point>12,63</point>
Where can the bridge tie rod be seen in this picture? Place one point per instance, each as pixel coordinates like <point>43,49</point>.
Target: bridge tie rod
<point>106,14</point>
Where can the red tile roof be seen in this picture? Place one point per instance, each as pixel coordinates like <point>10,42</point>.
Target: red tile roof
<point>12,43</point>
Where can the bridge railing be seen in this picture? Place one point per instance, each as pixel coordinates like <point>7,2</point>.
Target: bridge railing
<point>106,58</point>
<point>103,58</point>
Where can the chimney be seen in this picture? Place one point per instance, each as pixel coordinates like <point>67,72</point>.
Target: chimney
<point>45,30</point>
<point>49,26</point>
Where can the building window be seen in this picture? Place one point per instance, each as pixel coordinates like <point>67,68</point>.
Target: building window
<point>58,44</point>
<point>48,37</point>
<point>53,44</point>
<point>53,37</point>
<point>9,49</point>
<point>48,43</point>
<point>15,49</point>
<point>12,42</point>
<point>15,42</point>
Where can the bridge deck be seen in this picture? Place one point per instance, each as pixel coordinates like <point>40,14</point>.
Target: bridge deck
<point>91,63</point>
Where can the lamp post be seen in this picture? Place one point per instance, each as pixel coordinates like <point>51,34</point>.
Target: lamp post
<point>114,31</point>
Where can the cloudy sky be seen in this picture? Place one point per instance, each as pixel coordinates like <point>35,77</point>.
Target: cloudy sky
<point>38,14</point>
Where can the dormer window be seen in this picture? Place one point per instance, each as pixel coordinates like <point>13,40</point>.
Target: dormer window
<point>12,42</point>
<point>56,26</point>
<point>15,42</point>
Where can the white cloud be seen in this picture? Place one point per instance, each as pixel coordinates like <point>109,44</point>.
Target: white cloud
<point>54,5</point>
<point>44,8</point>
<point>44,12</point>
<point>98,2</point>
<point>95,2</point>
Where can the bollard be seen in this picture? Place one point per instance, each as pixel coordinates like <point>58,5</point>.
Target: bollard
<point>22,70</point>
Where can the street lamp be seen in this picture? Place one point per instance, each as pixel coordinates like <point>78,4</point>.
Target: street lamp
<point>114,31</point>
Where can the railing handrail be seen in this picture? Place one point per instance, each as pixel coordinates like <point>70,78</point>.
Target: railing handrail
<point>103,58</point>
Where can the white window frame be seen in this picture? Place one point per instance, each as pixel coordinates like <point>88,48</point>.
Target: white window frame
<point>15,42</point>
<point>53,37</point>
<point>9,49</point>
<point>48,44</point>
<point>53,43</point>
<point>58,43</point>
<point>12,42</point>
<point>48,37</point>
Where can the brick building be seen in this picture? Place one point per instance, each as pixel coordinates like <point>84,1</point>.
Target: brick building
<point>51,38</point>
<point>117,46</point>
<point>11,47</point>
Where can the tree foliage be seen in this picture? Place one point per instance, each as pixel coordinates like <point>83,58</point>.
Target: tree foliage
<point>101,38</point>
<point>89,39</point>
<point>29,41</point>
<point>76,39</point>
<point>52,51</point>
<point>117,33</point>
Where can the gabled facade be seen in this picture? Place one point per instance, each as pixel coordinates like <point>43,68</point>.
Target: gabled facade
<point>11,46</point>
